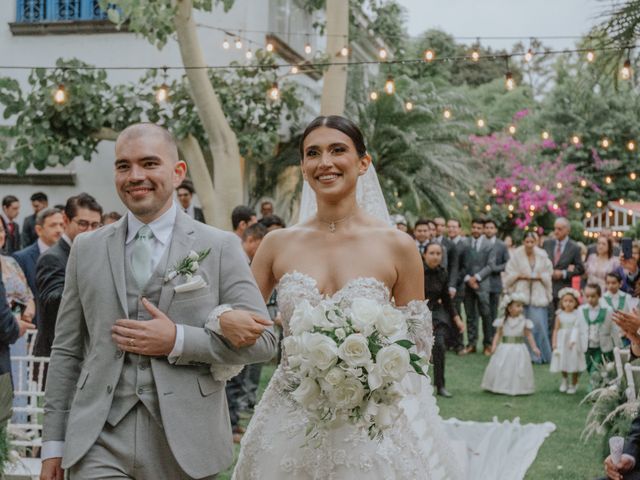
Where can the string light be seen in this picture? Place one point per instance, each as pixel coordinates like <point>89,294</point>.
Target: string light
<point>162,93</point>
<point>294,70</point>
<point>532,207</point>
<point>514,189</point>
<point>591,56</point>
<point>578,205</point>
<point>487,207</point>
<point>494,191</point>
<point>559,185</point>
<point>408,106</point>
<point>575,140</point>
<point>382,53</point>
<point>452,194</point>
<point>399,204</point>
<point>599,204</point>
<point>512,129</point>
<point>630,212</point>
<point>631,145</point>
<point>274,92</point>
<point>588,214</point>
<point>537,188</point>
<point>475,55</point>
<point>621,201</point>
<point>225,44</point>
<point>633,175</point>
<point>555,206</point>
<point>608,180</point>
<point>480,122</point>
<point>238,43</point>
<point>528,56</point>
<point>390,86</point>
<point>545,135</point>
<point>605,142</point>
<point>248,54</point>
<point>583,183</point>
<point>373,96</point>
<point>429,55</point>
<point>60,95</point>
<point>270,47</point>
<point>511,208</point>
<point>472,193</point>
<point>447,114</point>
<point>509,82</point>
<point>344,51</point>
<point>625,73</point>
<point>307,49</point>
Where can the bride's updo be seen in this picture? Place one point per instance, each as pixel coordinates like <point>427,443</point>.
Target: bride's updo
<point>342,124</point>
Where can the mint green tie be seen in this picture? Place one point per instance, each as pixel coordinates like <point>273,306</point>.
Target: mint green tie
<point>141,256</point>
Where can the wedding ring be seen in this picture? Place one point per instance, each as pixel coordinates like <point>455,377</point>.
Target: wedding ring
<point>131,342</point>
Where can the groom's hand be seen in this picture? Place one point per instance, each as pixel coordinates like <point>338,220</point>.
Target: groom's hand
<point>242,328</point>
<point>51,469</point>
<point>155,337</point>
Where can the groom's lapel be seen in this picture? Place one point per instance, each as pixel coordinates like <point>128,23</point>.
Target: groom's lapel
<point>115,252</point>
<point>181,245</point>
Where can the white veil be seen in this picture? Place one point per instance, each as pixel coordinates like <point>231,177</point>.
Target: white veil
<point>368,195</point>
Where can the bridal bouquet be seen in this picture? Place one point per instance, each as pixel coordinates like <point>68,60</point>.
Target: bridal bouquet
<point>347,364</point>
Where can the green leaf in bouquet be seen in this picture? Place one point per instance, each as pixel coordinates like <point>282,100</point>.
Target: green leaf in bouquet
<point>418,369</point>
<point>405,343</point>
<point>414,357</point>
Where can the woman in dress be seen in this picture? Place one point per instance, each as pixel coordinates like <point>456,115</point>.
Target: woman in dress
<point>343,249</point>
<point>601,263</point>
<point>528,273</point>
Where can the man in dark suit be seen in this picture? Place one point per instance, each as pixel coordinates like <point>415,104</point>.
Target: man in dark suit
<point>49,228</point>
<point>566,259</point>
<point>10,211</point>
<point>498,262</point>
<point>450,253</point>
<point>477,287</point>
<point>185,193</point>
<point>81,214</point>
<point>456,281</point>
<point>39,201</point>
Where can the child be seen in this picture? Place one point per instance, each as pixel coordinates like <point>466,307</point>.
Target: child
<point>509,371</point>
<point>599,327</point>
<point>618,300</point>
<point>569,340</point>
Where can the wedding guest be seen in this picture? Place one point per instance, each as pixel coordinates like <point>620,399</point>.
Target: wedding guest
<point>628,271</point>
<point>82,213</point>
<point>569,341</point>
<point>593,248</point>
<point>449,252</point>
<point>422,234</point>
<point>266,208</point>
<point>601,263</point>
<point>111,217</point>
<point>528,273</point>
<point>10,211</point>
<point>508,241</point>
<point>600,328</point>
<point>272,222</point>
<point>401,223</point>
<point>39,201</point>
<point>241,218</point>
<point>498,261</point>
<point>185,193</point>
<point>477,288</point>
<point>509,371</point>
<point>444,314</point>
<point>456,282</point>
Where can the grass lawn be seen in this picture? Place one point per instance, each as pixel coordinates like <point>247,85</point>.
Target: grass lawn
<point>562,456</point>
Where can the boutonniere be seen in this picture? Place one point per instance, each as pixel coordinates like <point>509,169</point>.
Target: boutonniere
<point>188,266</point>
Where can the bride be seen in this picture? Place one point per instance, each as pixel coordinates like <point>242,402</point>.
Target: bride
<point>343,250</point>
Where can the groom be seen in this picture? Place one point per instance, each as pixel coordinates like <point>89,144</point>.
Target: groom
<point>129,393</point>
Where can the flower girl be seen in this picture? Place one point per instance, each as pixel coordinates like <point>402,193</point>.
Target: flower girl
<point>569,340</point>
<point>509,371</point>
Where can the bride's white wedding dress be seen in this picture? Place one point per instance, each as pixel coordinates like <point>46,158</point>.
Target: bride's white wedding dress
<point>419,445</point>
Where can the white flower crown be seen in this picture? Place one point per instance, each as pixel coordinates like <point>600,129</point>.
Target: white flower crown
<point>508,299</point>
<point>569,291</point>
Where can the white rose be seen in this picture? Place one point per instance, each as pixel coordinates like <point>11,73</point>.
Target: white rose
<point>348,394</point>
<point>393,362</point>
<point>355,350</point>
<point>301,319</point>
<point>335,376</point>
<point>319,350</point>
<point>385,416</point>
<point>340,333</point>
<point>365,315</point>
<point>193,255</point>
<point>307,393</point>
<point>195,266</point>
<point>375,378</point>
<point>391,322</point>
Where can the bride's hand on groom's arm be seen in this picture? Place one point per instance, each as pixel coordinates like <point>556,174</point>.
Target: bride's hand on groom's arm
<point>242,328</point>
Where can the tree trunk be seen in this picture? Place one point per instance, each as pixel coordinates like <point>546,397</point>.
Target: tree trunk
<point>334,87</point>
<point>225,191</point>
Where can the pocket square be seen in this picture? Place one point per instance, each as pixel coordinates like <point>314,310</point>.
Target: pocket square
<point>195,283</point>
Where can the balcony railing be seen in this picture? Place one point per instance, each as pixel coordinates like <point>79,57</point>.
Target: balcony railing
<point>41,11</point>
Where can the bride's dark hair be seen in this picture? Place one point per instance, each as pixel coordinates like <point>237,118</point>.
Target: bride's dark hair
<point>342,124</point>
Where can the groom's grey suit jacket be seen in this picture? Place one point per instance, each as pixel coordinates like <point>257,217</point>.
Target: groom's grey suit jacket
<point>86,365</point>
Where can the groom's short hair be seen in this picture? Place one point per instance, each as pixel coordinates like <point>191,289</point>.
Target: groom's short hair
<point>138,130</point>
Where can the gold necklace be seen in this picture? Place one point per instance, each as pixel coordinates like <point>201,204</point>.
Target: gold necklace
<point>332,224</point>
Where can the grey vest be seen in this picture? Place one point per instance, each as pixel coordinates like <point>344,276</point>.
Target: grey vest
<point>136,382</point>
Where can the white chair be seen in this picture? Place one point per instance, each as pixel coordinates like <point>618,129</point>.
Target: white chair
<point>621,358</point>
<point>632,374</point>
<point>25,428</point>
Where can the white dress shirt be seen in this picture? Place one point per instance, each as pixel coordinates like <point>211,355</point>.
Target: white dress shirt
<point>43,247</point>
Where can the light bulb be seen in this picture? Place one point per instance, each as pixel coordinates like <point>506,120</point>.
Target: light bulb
<point>577,205</point>
<point>599,204</point>
<point>344,51</point>
<point>390,86</point>
<point>605,142</point>
<point>382,53</point>
<point>373,95</point>
<point>238,43</point>
<point>588,214</point>
<point>447,114</point>
<point>225,44</point>
<point>270,47</point>
<point>559,185</point>
<point>511,208</point>
<point>472,193</point>
<point>528,56</point>
<point>307,49</point>
<point>509,82</point>
<point>274,92</point>
<point>475,55</point>
<point>399,204</point>
<point>583,183</point>
<point>545,135</point>
<point>633,175</point>
<point>494,191</point>
<point>452,194</point>
<point>575,139</point>
<point>514,189</point>
<point>591,56</point>
<point>608,180</point>
<point>60,95</point>
<point>162,94</point>
<point>248,54</point>
<point>625,73</point>
<point>555,206</point>
<point>630,212</point>
<point>631,145</point>
<point>622,201</point>
<point>537,188</point>
<point>294,70</point>
<point>480,123</point>
<point>487,207</point>
<point>408,106</point>
<point>512,129</point>
<point>429,55</point>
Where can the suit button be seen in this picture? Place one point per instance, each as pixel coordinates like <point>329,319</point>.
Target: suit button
<point>109,389</point>
<point>140,391</point>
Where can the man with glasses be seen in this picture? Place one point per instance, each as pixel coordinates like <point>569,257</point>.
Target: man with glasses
<point>81,214</point>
